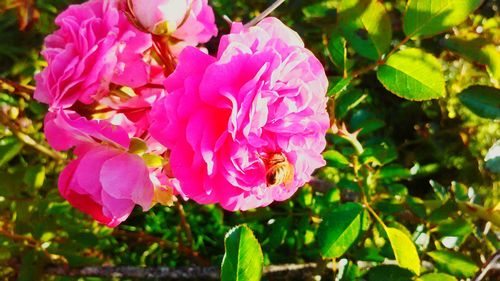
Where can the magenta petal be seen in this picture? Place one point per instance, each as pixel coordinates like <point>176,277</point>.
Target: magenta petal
<point>125,176</point>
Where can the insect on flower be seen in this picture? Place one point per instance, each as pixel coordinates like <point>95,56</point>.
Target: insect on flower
<point>278,170</point>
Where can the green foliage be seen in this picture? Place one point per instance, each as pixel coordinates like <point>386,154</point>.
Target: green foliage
<point>410,190</point>
<point>413,74</point>
<point>483,101</point>
<point>404,250</point>
<point>243,259</point>
<point>430,17</point>
<point>341,228</point>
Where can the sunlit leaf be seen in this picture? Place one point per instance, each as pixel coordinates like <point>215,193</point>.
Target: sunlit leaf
<point>404,250</point>
<point>243,259</point>
<point>341,229</point>
<point>366,26</point>
<point>430,17</point>
<point>453,263</point>
<point>413,74</point>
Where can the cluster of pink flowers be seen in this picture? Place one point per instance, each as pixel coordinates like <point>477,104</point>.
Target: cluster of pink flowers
<point>149,115</point>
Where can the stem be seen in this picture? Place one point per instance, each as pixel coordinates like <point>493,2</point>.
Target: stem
<point>184,224</point>
<point>264,14</point>
<point>380,61</point>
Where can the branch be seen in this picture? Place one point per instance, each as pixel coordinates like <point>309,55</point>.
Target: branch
<point>283,272</point>
<point>19,88</point>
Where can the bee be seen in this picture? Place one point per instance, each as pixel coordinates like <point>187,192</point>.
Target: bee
<point>278,170</point>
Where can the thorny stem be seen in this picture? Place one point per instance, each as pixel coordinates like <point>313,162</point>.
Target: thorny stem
<point>264,14</point>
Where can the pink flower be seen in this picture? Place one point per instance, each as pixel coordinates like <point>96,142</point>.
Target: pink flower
<point>94,46</point>
<point>226,119</point>
<point>198,25</point>
<point>105,181</point>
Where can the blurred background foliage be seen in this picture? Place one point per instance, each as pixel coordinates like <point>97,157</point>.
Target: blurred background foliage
<point>420,166</point>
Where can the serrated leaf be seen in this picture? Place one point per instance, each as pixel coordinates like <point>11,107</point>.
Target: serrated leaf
<point>436,277</point>
<point>484,101</point>
<point>453,263</point>
<point>366,26</point>
<point>431,17</point>
<point>243,259</point>
<point>413,74</point>
<point>404,250</point>
<point>9,148</point>
<point>335,159</point>
<point>341,229</point>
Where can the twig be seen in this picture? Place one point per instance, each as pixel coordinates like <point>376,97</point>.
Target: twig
<point>18,87</point>
<point>145,237</point>
<point>381,61</point>
<point>488,265</point>
<point>184,224</point>
<point>265,13</point>
<point>277,272</point>
<point>4,120</point>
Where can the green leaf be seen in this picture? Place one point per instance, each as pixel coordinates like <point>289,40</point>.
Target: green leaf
<point>335,159</point>
<point>366,26</point>
<point>430,17</point>
<point>477,50</point>
<point>35,176</point>
<point>436,277</point>
<point>455,264</point>
<point>366,121</point>
<point>389,273</point>
<point>404,250</point>
<point>9,148</point>
<point>493,158</point>
<point>413,74</point>
<point>243,259</point>
<point>337,51</point>
<point>439,190</point>
<point>339,85</point>
<point>346,101</point>
<point>484,101</point>
<point>394,171</point>
<point>341,228</point>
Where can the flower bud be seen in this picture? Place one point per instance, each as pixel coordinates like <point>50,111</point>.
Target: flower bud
<point>160,17</point>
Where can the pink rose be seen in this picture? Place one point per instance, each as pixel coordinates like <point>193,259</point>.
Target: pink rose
<point>199,24</point>
<point>106,183</point>
<point>228,120</point>
<point>94,46</point>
